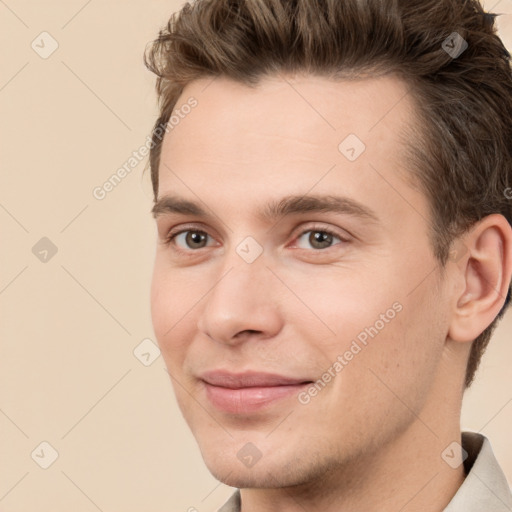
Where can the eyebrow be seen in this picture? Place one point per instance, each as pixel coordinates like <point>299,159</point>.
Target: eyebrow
<point>288,205</point>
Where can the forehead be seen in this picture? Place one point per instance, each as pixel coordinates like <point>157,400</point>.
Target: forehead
<point>288,132</point>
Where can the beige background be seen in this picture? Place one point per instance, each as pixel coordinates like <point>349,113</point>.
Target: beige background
<point>69,326</point>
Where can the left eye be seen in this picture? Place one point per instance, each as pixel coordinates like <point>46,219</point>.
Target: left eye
<point>319,238</point>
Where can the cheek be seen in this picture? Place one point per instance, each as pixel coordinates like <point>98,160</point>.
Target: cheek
<point>159,302</point>
<point>375,323</point>
<point>399,362</point>
<point>346,304</point>
<point>171,303</point>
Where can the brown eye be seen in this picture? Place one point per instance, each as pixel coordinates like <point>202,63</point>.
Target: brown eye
<point>189,239</point>
<point>318,239</point>
<point>195,239</point>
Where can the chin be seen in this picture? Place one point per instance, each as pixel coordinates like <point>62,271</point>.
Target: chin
<point>242,479</point>
<point>272,470</point>
<point>250,478</point>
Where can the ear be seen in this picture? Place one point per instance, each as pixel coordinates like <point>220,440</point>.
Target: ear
<point>482,277</point>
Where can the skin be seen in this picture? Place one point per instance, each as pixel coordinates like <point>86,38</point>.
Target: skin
<point>372,438</point>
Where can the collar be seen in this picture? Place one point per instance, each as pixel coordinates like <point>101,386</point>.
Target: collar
<point>485,486</point>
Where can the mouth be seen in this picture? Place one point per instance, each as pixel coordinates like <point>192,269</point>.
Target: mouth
<point>248,392</point>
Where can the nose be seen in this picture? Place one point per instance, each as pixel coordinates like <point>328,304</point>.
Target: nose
<point>243,304</point>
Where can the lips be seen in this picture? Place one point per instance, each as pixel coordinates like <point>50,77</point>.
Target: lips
<point>248,379</point>
<point>244,393</point>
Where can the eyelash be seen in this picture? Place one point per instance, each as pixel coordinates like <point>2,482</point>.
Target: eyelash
<point>321,229</point>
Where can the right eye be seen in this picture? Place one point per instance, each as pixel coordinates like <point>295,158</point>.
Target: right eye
<point>187,239</point>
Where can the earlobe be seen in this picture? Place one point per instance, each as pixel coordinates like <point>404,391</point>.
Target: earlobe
<point>483,278</point>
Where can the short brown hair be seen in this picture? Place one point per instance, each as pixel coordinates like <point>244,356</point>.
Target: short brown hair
<point>462,159</point>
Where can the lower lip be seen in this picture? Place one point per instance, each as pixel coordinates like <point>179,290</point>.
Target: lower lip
<point>246,400</point>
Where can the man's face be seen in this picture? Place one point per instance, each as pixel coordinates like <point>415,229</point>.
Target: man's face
<point>238,293</point>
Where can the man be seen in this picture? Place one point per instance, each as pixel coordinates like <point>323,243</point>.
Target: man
<point>334,246</point>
